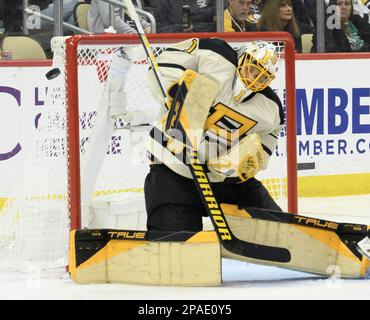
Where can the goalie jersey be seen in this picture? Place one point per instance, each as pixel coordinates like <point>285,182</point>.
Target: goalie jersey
<point>235,113</point>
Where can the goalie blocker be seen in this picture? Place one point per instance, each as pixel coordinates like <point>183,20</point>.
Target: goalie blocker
<point>194,258</point>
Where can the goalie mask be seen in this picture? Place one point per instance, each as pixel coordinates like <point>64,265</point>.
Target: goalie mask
<point>257,65</point>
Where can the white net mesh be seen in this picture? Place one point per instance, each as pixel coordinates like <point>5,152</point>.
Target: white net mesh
<point>34,221</point>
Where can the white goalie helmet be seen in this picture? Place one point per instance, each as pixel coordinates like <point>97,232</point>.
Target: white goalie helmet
<point>257,65</point>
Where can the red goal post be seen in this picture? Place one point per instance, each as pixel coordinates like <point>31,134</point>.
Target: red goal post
<point>72,45</point>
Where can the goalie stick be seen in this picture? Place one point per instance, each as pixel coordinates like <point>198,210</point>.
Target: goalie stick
<point>227,239</point>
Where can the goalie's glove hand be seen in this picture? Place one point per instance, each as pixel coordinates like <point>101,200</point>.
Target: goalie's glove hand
<point>242,161</point>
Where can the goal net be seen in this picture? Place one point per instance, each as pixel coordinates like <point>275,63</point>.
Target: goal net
<point>87,169</point>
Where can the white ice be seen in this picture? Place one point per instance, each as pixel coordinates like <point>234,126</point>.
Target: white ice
<point>241,281</point>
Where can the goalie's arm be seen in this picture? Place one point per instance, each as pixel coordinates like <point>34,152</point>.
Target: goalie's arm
<point>172,64</point>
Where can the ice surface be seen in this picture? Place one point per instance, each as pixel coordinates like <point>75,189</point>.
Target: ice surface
<point>241,281</point>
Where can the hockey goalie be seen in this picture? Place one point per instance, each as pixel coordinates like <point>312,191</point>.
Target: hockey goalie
<point>219,106</point>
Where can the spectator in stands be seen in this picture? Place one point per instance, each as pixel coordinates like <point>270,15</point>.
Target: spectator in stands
<point>10,17</point>
<point>98,19</point>
<point>305,14</point>
<point>346,31</point>
<point>11,14</point>
<point>169,16</point>
<point>47,8</point>
<point>278,15</point>
<point>235,16</point>
<point>42,29</point>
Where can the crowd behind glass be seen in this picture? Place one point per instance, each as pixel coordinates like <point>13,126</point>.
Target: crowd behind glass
<point>347,22</point>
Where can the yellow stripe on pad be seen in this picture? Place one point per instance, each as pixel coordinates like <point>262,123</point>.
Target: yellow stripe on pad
<point>203,237</point>
<point>72,255</point>
<point>233,210</point>
<point>113,248</point>
<point>328,238</point>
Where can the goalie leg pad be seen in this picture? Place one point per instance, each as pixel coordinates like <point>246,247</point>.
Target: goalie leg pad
<point>140,257</point>
<point>315,245</point>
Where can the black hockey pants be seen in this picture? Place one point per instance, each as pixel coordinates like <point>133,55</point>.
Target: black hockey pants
<point>173,202</point>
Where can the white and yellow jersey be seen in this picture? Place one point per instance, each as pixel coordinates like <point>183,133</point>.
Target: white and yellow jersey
<point>236,112</point>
